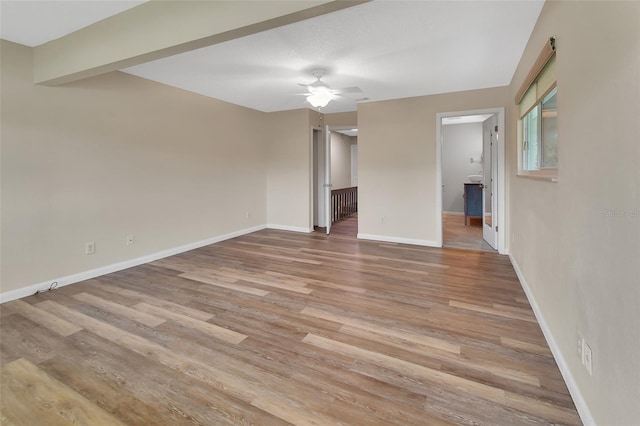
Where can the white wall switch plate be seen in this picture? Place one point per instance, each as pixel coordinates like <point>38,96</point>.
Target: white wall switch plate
<point>90,247</point>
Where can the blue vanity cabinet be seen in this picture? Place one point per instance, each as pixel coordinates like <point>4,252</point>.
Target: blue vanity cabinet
<point>472,201</point>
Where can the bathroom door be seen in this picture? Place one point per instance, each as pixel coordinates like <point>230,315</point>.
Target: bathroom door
<point>490,180</point>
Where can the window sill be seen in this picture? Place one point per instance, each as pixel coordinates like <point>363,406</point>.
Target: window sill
<point>546,175</point>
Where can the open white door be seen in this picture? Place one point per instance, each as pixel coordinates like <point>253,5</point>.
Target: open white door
<point>327,177</point>
<point>490,180</point>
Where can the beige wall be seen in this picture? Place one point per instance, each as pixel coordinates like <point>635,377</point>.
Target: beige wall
<point>289,165</point>
<point>341,160</point>
<point>289,169</point>
<point>116,155</point>
<point>577,242</point>
<point>397,161</point>
<point>341,119</point>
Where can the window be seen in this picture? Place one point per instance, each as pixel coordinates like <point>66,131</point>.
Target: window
<point>537,127</point>
<point>540,135</point>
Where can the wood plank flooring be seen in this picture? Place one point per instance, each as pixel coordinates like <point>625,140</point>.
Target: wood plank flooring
<point>347,227</point>
<point>455,234</point>
<point>276,328</point>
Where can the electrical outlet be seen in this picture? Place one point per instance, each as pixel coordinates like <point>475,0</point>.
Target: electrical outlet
<point>247,215</point>
<point>587,358</point>
<point>382,220</point>
<point>130,239</point>
<point>90,247</point>
<point>580,344</point>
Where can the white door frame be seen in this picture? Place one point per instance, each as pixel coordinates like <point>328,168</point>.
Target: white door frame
<point>316,194</point>
<point>501,208</point>
<point>316,204</point>
<point>327,178</point>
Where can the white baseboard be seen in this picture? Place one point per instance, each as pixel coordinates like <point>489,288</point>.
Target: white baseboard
<point>290,228</point>
<point>399,240</point>
<point>574,390</point>
<point>82,276</point>
<point>454,213</point>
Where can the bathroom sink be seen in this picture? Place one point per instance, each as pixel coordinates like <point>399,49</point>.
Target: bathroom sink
<point>475,178</point>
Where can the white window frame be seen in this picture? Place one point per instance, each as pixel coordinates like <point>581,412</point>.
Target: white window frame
<point>539,167</point>
<point>540,82</point>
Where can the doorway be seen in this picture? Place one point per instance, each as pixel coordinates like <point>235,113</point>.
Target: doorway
<point>334,170</point>
<point>470,177</point>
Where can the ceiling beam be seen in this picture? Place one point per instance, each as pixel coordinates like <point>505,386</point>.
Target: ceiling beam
<point>160,28</point>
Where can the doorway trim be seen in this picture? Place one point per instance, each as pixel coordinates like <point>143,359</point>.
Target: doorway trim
<point>314,191</point>
<point>501,210</point>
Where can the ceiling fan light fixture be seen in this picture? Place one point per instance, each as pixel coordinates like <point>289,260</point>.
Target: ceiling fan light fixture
<point>320,89</point>
<point>319,100</point>
<point>319,92</point>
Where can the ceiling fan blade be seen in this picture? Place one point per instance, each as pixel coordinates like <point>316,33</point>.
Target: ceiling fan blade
<point>349,99</point>
<point>353,89</point>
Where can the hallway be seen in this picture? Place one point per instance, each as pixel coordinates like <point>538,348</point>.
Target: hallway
<point>456,235</point>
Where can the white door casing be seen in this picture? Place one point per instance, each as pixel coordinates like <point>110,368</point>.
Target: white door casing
<point>319,180</point>
<point>327,176</point>
<point>490,179</point>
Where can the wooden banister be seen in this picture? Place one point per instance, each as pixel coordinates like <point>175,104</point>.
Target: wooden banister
<point>344,203</point>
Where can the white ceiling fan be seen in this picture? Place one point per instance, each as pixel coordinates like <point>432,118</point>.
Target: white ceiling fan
<point>320,94</point>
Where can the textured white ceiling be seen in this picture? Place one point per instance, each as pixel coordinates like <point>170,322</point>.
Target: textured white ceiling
<point>33,23</point>
<point>390,49</point>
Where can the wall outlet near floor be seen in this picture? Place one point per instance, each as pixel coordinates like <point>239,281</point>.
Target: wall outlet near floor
<point>585,354</point>
<point>247,215</point>
<point>90,247</point>
<point>382,220</point>
<point>130,239</point>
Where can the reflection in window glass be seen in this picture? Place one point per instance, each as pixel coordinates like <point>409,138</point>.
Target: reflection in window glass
<point>550,131</point>
<point>540,134</point>
<point>531,147</point>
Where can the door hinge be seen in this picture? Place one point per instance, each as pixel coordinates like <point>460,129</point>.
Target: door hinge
<point>496,129</point>
<point>496,228</point>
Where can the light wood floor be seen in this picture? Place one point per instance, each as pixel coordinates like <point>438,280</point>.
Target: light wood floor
<point>283,328</point>
<point>347,227</point>
<point>456,235</point>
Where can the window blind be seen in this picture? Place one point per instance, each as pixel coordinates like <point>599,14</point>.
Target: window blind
<point>540,79</point>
